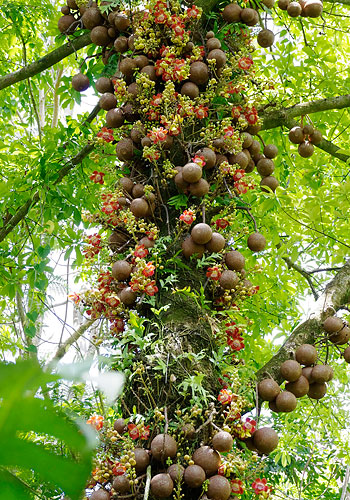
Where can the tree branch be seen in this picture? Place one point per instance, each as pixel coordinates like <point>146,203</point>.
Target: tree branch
<point>304,273</point>
<point>45,62</point>
<point>336,294</point>
<point>24,209</point>
<point>61,351</point>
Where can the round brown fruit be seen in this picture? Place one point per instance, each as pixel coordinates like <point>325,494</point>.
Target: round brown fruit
<point>317,391</point>
<point>316,137</point>
<point>270,151</point>
<point>190,89</point>
<point>65,10</point>
<point>222,441</point>
<point>99,36</point>
<point>299,388</point>
<point>91,18</point>
<point>115,118</point>
<point>162,485</point>
<point>150,71</point>
<point>201,233</point>
<point>139,207</point>
<point>200,188</point>
<point>127,296</point>
<point>176,472</point>
<point>146,242</point>
<point>219,488</point>
<point>269,182</point>
<point>125,149</point>
<point>265,167</point>
<point>294,9</point>
<point>117,240</point>
<point>283,4</point>
<point>181,184</point>
<point>320,374</point>
<point>296,134</point>
<point>104,84</point>
<point>141,61</point>
<point>265,440</point>
<point>240,159</point>
<point>100,494</point>
<point>121,484</point>
<point>163,446</point>
<point>199,73</point>
<point>313,8</point>
<point>138,190</point>
<point>216,244</point>
<point>108,101</point>
<point>306,372</point>
<point>249,16</point>
<point>265,38</point>
<point>213,43</point>
<point>290,370</point>
<point>286,402</point>
<point>232,13</point>
<point>272,406</point>
<point>121,270</point>
<point>208,459</point>
<point>189,431</point>
<point>234,260</point>
<point>333,324</point>
<point>191,172</point>
<point>121,44</point>
<point>194,476</point>
<point>268,389</point>
<point>306,354</point>
<point>346,354</point>
<point>137,134</point>
<point>65,24</point>
<point>126,184</point>
<point>121,22</point>
<point>308,129</point>
<point>219,57</point>
<point>189,248</point>
<point>142,459</point>
<point>228,280</point>
<point>209,157</point>
<point>120,425</point>
<point>306,149</point>
<point>127,66</point>
<point>80,82</point>
<point>256,242</point>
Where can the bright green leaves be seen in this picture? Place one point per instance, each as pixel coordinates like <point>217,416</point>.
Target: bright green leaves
<point>23,418</point>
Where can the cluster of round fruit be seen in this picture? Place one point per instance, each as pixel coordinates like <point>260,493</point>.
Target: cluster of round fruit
<point>140,203</point>
<point>337,331</point>
<point>304,8</point>
<point>233,13</point>
<point>301,381</point>
<point>306,137</point>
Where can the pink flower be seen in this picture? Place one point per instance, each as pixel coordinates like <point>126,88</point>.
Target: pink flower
<point>157,134</point>
<point>201,112</point>
<point>187,217</point>
<point>140,251</point>
<point>199,159</point>
<point>229,132</point>
<point>236,343</point>
<point>249,426</point>
<point>96,421</point>
<point>106,134</point>
<point>251,115</point>
<point>134,432</point>
<point>145,433</point>
<point>97,177</point>
<point>260,486</point>
<point>225,396</point>
<point>151,288</point>
<point>237,487</point>
<point>241,187</point>
<point>213,273</point>
<point>148,269</point>
<point>245,63</point>
<point>239,174</point>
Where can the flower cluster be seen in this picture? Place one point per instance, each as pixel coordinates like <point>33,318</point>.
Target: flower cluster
<point>234,339</point>
<point>187,217</point>
<point>97,177</point>
<point>95,245</point>
<point>261,488</point>
<point>139,431</point>
<point>96,421</point>
<point>106,134</point>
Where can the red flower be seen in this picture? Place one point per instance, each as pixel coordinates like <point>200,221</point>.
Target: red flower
<point>245,63</point>
<point>156,100</point>
<point>237,487</point>
<point>249,426</point>
<point>157,134</point>
<point>109,207</point>
<point>199,160</point>
<point>96,421</point>
<point>145,433</point>
<point>251,115</point>
<point>105,279</point>
<point>117,326</point>
<point>106,134</point>
<point>236,111</point>
<point>94,240</point>
<point>260,486</point>
<point>236,343</point>
<point>193,12</point>
<point>241,187</point>
<point>113,301</point>
<point>229,132</point>
<point>135,285</point>
<point>222,470</point>
<point>90,252</point>
<point>97,177</point>
<point>151,288</point>
<point>119,469</point>
<point>213,273</point>
<point>148,269</point>
<point>178,29</point>
<point>187,217</point>
<point>140,251</point>
<point>239,174</point>
<point>225,396</point>
<point>160,17</point>
<point>201,112</point>
<point>74,298</point>
<point>134,432</point>
<point>221,223</point>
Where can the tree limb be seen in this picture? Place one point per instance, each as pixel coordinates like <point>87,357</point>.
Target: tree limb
<point>61,351</point>
<point>336,295</point>
<point>45,62</point>
<point>24,209</point>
